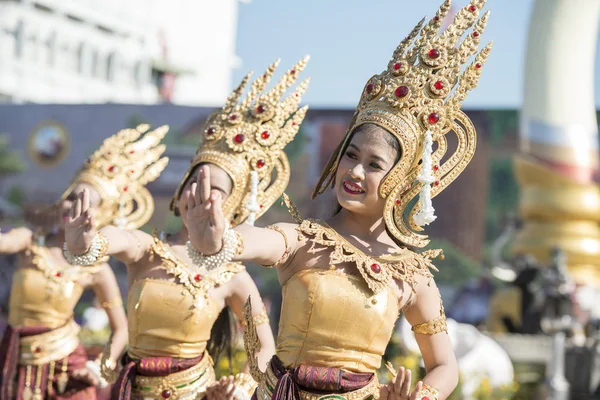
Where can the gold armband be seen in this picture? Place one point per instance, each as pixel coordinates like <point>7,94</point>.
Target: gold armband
<point>259,319</point>
<point>428,393</point>
<point>287,251</point>
<point>117,302</point>
<point>435,325</point>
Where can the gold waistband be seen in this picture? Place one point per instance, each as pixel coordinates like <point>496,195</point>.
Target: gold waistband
<point>49,346</point>
<point>266,388</point>
<point>188,384</point>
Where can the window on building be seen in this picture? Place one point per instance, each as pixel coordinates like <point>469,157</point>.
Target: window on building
<point>81,53</point>
<point>111,67</point>
<point>51,49</point>
<point>19,39</point>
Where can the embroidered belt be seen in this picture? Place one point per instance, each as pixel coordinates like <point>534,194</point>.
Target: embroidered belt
<point>50,346</point>
<point>187,384</point>
<point>369,391</point>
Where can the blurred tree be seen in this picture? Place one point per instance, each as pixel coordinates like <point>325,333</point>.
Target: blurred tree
<point>456,269</point>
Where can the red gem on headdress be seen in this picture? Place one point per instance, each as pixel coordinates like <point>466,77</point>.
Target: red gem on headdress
<point>38,349</point>
<point>434,53</point>
<point>436,18</point>
<point>261,206</point>
<point>232,117</point>
<point>433,118</point>
<point>197,277</point>
<point>126,188</point>
<point>131,171</point>
<point>293,71</point>
<point>131,151</point>
<point>439,85</point>
<point>260,163</point>
<point>166,394</point>
<point>211,131</point>
<point>108,153</point>
<point>478,65</point>
<point>265,135</point>
<point>370,87</point>
<point>472,8</point>
<point>436,183</point>
<point>398,201</point>
<point>239,138</point>
<point>260,109</point>
<point>111,168</point>
<point>58,274</point>
<point>293,124</point>
<point>401,91</point>
<point>436,167</point>
<point>397,66</point>
<point>376,268</point>
<point>475,34</point>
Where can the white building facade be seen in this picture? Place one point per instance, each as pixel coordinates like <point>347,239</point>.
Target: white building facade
<point>119,51</point>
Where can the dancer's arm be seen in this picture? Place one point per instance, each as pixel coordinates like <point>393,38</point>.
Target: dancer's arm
<point>127,246</point>
<point>425,313</point>
<point>206,226</point>
<point>107,291</point>
<point>242,287</point>
<point>15,241</point>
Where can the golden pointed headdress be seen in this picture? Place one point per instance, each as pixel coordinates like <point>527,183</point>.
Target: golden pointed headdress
<point>247,138</point>
<point>119,171</point>
<point>417,99</point>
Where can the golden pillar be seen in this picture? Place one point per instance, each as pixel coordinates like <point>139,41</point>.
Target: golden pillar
<point>560,201</point>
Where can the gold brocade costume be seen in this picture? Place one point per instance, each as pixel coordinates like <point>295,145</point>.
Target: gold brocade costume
<point>164,322</point>
<point>323,316</point>
<point>174,318</point>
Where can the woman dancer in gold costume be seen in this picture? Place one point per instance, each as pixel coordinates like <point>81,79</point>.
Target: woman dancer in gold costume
<point>173,304</point>
<point>345,280</point>
<point>41,356</point>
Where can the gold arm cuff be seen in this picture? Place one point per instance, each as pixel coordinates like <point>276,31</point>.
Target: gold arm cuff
<point>429,392</point>
<point>50,346</point>
<point>432,327</point>
<point>259,319</point>
<point>116,302</point>
<point>240,243</point>
<point>287,251</point>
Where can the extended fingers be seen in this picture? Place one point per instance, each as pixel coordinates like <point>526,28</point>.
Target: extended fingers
<point>204,184</point>
<point>415,394</point>
<point>217,219</point>
<point>76,209</point>
<point>85,200</point>
<point>405,390</point>
<point>399,381</point>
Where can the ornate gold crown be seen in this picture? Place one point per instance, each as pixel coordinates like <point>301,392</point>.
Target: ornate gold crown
<point>417,99</point>
<point>247,141</point>
<point>119,170</point>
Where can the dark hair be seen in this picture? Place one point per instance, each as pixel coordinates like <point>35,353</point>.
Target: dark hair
<point>221,337</point>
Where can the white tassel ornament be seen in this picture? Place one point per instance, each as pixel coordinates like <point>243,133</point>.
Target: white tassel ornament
<point>252,205</point>
<point>426,213</point>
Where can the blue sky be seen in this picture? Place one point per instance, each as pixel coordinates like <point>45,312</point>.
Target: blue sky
<point>351,40</point>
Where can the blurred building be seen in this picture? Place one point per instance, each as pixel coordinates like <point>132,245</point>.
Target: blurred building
<point>119,51</point>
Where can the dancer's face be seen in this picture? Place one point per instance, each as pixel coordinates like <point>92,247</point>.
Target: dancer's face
<point>220,184</point>
<point>65,206</point>
<point>371,154</point>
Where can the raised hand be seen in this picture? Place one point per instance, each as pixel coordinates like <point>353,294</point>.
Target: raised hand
<point>399,387</point>
<point>224,389</point>
<point>80,229</point>
<point>204,215</point>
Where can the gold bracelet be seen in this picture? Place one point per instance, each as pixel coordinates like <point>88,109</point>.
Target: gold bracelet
<point>117,302</point>
<point>428,393</point>
<point>96,254</point>
<point>240,243</point>
<point>287,251</point>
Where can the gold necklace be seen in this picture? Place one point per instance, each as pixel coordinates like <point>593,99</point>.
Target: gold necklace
<point>197,282</point>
